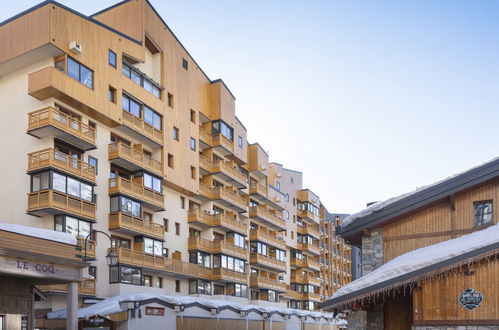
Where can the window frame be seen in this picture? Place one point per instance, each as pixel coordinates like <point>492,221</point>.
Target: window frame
<point>111,54</point>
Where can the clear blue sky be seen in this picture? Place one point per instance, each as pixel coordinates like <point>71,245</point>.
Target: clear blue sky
<point>369,99</point>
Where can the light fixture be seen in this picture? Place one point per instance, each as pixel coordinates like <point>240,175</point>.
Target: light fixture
<point>112,257</point>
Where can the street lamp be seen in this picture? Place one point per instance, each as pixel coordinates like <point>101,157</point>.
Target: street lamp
<point>111,257</point>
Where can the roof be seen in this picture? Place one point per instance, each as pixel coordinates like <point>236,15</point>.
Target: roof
<point>381,212</point>
<point>419,264</point>
<point>47,234</point>
<point>330,216</point>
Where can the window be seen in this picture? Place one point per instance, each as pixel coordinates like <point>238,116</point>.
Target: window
<point>217,290</point>
<point>93,162</point>
<point>227,262</point>
<point>240,141</point>
<point>148,280</point>
<point>112,58</point>
<point>79,72</point>
<point>76,227</point>
<point>185,64</point>
<point>193,116</point>
<point>119,242</point>
<point>200,286</point>
<point>193,173</point>
<point>200,258</point>
<point>170,100</point>
<point>125,274</point>
<point>176,133</point>
<point>193,144</point>
<point>220,127</point>
<point>483,213</point>
<point>165,224</point>
<point>152,182</point>
<point>152,246</point>
<point>62,183</point>
<point>237,239</point>
<point>177,285</point>
<point>292,235</point>
<point>158,282</point>
<point>287,197</point>
<point>92,272</point>
<point>126,205</point>
<point>170,160</point>
<point>237,290</point>
<point>286,214</point>
<point>142,111</point>
<point>111,95</point>
<point>182,202</point>
<point>177,228</point>
<point>278,185</point>
<point>152,118</point>
<point>141,79</point>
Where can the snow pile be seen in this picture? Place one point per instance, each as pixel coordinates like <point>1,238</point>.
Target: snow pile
<point>376,207</point>
<point>423,257</point>
<point>118,304</point>
<point>52,235</point>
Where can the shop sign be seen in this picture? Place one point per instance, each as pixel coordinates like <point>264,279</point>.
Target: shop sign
<point>40,269</point>
<point>470,299</point>
<point>155,311</point>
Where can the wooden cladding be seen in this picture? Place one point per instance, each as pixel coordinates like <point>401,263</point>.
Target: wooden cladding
<point>307,215</point>
<point>54,201</point>
<point>128,223</point>
<point>310,248</point>
<point>305,263</point>
<point>267,283</point>
<point>224,169</point>
<point>265,237</point>
<point>215,247</point>
<point>55,159</point>
<point>140,126</point>
<point>85,287</point>
<point>225,196</point>
<point>203,218</point>
<point>302,279</point>
<point>221,274</point>
<point>267,262</point>
<point>119,185</point>
<point>269,218</point>
<point>134,158</point>
<point>308,230</point>
<point>256,188</point>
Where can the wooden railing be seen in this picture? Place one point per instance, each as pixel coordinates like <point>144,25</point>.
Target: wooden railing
<point>52,117</point>
<point>51,199</point>
<point>308,230</point>
<point>187,269</point>
<point>222,193</point>
<point>267,283</point>
<point>222,274</point>
<point>120,185</point>
<point>53,158</point>
<point>142,127</point>
<point>293,295</point>
<point>260,212</point>
<point>308,248</point>
<point>85,287</point>
<point>305,263</point>
<point>256,188</point>
<point>265,237</point>
<point>297,278</point>
<point>223,167</point>
<point>216,220</point>
<point>205,136</point>
<point>197,243</point>
<point>256,258</point>
<point>120,150</point>
<point>220,140</point>
<point>306,214</point>
<point>90,247</point>
<point>120,220</point>
<point>311,296</point>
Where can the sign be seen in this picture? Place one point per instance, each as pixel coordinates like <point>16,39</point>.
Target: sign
<point>155,311</point>
<point>39,269</point>
<point>470,299</point>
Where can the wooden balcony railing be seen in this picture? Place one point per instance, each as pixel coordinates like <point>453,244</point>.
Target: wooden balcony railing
<point>197,243</point>
<point>85,287</point>
<point>267,283</point>
<point>262,214</point>
<point>216,220</point>
<point>308,296</point>
<point>305,263</point>
<point>187,269</point>
<point>293,295</point>
<point>119,185</point>
<point>142,127</point>
<point>220,140</point>
<point>120,220</point>
<point>205,136</point>
<point>306,214</point>
<point>265,237</point>
<point>308,248</point>
<point>222,274</point>
<point>224,168</point>
<point>308,230</point>
<point>52,117</point>
<point>90,247</point>
<point>52,158</point>
<point>269,262</point>
<point>256,188</point>
<point>51,199</point>
<point>119,150</point>
<point>297,278</point>
<point>223,194</point>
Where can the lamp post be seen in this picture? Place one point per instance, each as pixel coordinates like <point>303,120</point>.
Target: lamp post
<point>111,257</point>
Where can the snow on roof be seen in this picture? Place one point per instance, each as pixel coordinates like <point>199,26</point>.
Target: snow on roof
<point>52,235</point>
<point>421,258</point>
<point>376,207</point>
<point>115,305</point>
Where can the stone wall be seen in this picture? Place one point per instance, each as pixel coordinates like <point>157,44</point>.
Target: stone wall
<point>357,320</point>
<point>372,251</point>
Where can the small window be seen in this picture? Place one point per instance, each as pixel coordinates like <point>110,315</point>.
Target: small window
<point>147,280</point>
<point>112,58</point>
<point>165,224</point>
<point>170,160</point>
<point>170,100</point>
<point>286,213</point>
<point>193,144</point>
<point>92,272</point>
<point>240,141</point>
<point>483,213</point>
<point>158,282</point>
<point>193,173</point>
<point>111,95</point>
<point>177,228</point>
<point>182,202</point>
<point>193,116</point>
<point>93,161</point>
<point>177,285</point>
<point>292,180</point>
<point>278,185</point>
<point>292,234</point>
<point>176,133</point>
<point>185,64</point>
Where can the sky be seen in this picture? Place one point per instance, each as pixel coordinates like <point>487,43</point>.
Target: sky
<point>369,99</point>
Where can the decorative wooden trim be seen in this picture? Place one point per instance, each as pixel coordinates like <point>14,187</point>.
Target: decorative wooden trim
<point>456,322</point>
<point>436,234</point>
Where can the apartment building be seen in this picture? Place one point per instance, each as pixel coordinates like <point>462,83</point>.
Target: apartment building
<point>132,148</point>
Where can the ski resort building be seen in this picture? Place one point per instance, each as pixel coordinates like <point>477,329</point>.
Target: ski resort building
<point>429,257</point>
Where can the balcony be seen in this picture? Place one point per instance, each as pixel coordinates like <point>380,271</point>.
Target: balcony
<point>259,191</point>
<point>224,196</point>
<point>51,122</point>
<point>261,282</point>
<point>310,248</point>
<point>153,199</point>
<point>272,220</point>
<point>126,223</point>
<point>205,140</point>
<point>308,296</point>
<point>132,159</point>
<point>85,288</point>
<point>224,170</point>
<point>309,230</point>
<point>222,144</point>
<point>267,262</point>
<point>293,295</point>
<point>265,237</point>
<point>205,219</point>
<point>53,202</point>
<point>296,278</point>
<point>308,216</point>
<point>90,248</point>
<point>226,275</point>
<point>305,263</point>
<point>50,158</point>
<point>140,130</point>
<point>216,247</point>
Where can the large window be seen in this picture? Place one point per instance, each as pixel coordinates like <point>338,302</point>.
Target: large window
<point>280,255</point>
<point>237,290</point>
<point>259,248</point>
<point>153,246</point>
<point>76,227</point>
<point>237,239</point>
<point>227,262</point>
<point>200,286</point>
<point>142,111</point>
<point>152,182</point>
<point>78,71</point>
<point>125,274</point>
<point>307,206</point>
<point>126,205</point>
<point>483,213</point>
<point>140,79</point>
<point>306,239</point>
<point>63,183</point>
<point>200,258</point>
<point>152,118</point>
<point>220,127</point>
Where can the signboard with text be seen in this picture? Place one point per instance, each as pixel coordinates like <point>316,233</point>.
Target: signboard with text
<point>40,269</point>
